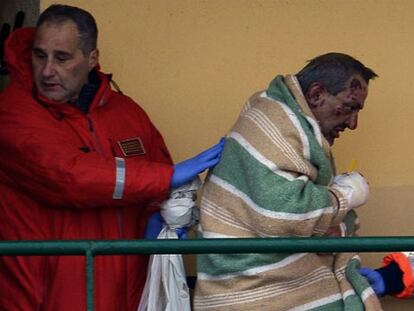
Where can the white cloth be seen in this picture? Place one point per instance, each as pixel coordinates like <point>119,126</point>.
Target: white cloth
<point>178,211</point>
<point>353,187</point>
<point>166,286</point>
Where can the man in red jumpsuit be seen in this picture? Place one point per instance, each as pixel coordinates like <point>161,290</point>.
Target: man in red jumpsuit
<point>77,161</point>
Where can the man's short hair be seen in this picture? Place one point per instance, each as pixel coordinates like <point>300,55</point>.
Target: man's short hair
<point>333,70</point>
<point>88,31</point>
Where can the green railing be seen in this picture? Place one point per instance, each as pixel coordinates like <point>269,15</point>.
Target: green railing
<point>92,248</point>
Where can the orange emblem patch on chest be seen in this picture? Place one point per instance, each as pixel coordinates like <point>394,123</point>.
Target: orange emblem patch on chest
<point>131,147</point>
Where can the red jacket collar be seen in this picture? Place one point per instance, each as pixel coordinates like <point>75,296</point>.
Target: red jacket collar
<point>61,110</point>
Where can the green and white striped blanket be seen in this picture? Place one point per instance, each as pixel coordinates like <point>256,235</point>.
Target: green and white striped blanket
<point>273,181</point>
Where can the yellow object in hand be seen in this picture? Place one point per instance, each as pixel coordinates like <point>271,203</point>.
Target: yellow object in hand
<point>352,166</point>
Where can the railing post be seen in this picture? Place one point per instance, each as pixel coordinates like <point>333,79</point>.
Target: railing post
<point>89,279</point>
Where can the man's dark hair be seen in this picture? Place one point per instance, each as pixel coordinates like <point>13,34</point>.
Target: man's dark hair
<point>88,31</point>
<point>333,70</point>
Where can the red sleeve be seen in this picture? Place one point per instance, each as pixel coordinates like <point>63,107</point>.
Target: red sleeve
<point>407,270</point>
<point>152,178</point>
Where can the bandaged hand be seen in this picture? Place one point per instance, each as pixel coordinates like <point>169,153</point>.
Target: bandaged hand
<point>353,187</point>
<point>179,211</point>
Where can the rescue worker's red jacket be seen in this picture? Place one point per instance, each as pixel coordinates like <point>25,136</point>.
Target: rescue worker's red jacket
<point>64,175</point>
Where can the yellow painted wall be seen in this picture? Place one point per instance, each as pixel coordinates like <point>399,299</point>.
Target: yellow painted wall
<point>191,64</point>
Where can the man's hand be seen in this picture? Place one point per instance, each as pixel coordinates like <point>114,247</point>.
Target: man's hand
<point>186,170</point>
<point>375,280</point>
<point>154,226</point>
<point>353,187</point>
<point>156,223</point>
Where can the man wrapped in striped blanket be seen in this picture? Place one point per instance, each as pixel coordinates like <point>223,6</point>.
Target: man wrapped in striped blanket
<point>276,178</point>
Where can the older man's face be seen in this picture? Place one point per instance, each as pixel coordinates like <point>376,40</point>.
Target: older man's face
<point>60,68</point>
<point>338,112</point>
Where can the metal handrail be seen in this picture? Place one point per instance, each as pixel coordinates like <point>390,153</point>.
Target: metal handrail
<point>91,248</point>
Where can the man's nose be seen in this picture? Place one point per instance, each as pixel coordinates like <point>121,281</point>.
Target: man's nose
<point>48,69</point>
<point>352,121</point>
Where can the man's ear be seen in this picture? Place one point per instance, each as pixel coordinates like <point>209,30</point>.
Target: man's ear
<point>93,59</point>
<point>315,94</point>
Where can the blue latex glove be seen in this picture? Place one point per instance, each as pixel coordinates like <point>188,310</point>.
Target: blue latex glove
<point>155,225</point>
<point>182,233</point>
<point>185,171</point>
<point>375,279</point>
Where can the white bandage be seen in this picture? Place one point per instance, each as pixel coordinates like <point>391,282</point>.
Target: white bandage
<point>179,210</point>
<point>353,187</point>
